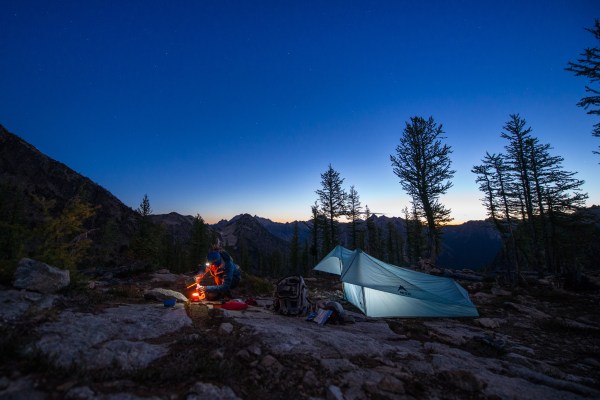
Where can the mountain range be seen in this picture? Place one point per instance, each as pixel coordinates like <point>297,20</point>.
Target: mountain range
<point>43,186</point>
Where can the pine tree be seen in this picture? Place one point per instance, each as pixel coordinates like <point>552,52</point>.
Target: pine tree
<point>146,244</point>
<point>295,251</point>
<point>13,229</point>
<point>522,183</point>
<point>422,163</point>
<point>332,198</point>
<point>199,242</point>
<point>557,192</point>
<point>414,234</point>
<point>314,248</point>
<point>372,243</point>
<point>589,66</point>
<point>394,244</point>
<point>305,258</point>
<point>66,240</point>
<point>529,197</point>
<point>492,177</point>
<point>354,211</point>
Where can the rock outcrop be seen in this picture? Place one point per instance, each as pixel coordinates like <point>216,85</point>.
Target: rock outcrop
<point>114,342</point>
<point>40,277</point>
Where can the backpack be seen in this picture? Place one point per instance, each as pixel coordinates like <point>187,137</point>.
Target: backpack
<point>291,296</point>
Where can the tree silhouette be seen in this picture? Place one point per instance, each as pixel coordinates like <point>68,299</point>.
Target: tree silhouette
<point>588,65</point>
<point>147,241</point>
<point>295,251</point>
<point>354,211</point>
<point>531,200</point>
<point>199,241</point>
<point>332,198</point>
<point>422,163</point>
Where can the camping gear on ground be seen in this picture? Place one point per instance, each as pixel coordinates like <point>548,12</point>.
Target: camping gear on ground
<point>380,289</point>
<point>169,302</point>
<point>291,296</point>
<point>320,317</point>
<point>338,314</point>
<point>197,296</point>
<point>236,305</point>
<point>251,302</point>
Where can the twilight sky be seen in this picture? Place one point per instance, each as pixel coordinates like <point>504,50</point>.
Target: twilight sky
<point>225,107</point>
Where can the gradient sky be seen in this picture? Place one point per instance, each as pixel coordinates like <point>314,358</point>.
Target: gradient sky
<point>225,107</point>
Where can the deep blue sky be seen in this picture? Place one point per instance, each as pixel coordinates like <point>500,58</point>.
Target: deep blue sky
<point>225,107</point>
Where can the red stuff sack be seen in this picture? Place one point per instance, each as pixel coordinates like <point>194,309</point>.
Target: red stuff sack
<point>234,305</point>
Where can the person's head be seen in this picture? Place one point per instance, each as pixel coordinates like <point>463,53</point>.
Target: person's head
<point>213,258</point>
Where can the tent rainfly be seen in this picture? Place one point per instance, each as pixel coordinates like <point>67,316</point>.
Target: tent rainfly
<point>379,289</point>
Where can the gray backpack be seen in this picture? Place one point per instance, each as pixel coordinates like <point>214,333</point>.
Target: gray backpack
<point>291,296</point>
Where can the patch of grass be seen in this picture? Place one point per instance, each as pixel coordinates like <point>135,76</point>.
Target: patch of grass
<point>256,285</point>
<point>126,292</point>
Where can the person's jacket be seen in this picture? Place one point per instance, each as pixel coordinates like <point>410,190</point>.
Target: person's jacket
<point>227,275</point>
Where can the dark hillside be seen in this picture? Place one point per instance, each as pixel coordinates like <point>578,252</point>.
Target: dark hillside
<point>31,181</point>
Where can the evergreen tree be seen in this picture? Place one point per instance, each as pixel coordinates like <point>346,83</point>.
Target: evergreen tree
<point>557,192</point>
<point>305,259</point>
<point>295,251</point>
<point>144,208</point>
<point>530,198</point>
<point>275,264</point>
<point>244,260</point>
<point>354,211</point>
<point>13,229</point>
<point>323,227</point>
<point>373,238</point>
<point>172,253</point>
<point>147,240</point>
<point>66,239</point>
<point>332,198</point>
<point>492,177</point>
<point>422,163</point>
<point>199,242</point>
<point>414,234</point>
<point>519,165</point>
<point>314,248</point>
<point>588,65</point>
<point>394,244</point>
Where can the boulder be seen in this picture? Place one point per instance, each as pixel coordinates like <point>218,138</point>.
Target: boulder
<point>40,277</point>
<point>161,294</point>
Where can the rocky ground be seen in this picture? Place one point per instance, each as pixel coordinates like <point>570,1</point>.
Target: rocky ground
<point>114,339</point>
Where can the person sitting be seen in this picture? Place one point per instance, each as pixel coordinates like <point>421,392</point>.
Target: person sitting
<point>226,274</point>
